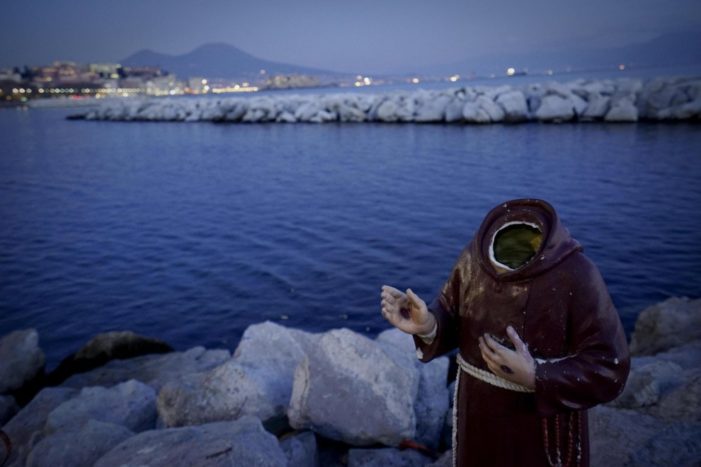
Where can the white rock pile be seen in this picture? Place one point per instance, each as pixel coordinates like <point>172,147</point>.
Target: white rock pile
<point>361,396</point>
<point>621,100</point>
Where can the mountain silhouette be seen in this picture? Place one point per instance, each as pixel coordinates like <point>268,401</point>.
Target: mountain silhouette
<point>218,60</point>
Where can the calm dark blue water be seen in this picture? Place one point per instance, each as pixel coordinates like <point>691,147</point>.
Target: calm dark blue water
<point>191,232</point>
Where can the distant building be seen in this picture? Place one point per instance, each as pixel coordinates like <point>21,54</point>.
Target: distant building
<point>8,74</point>
<point>291,81</point>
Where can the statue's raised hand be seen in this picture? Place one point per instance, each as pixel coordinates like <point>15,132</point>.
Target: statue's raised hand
<point>406,311</point>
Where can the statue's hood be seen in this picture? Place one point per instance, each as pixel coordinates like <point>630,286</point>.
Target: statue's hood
<point>556,246</point>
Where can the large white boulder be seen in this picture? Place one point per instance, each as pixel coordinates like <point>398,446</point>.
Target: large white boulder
<point>668,324</point>
<point>349,389</point>
<point>131,404</point>
<point>21,359</point>
<point>386,457</point>
<point>79,447</point>
<point>29,422</point>
<point>514,105</point>
<point>494,110</point>
<point>622,111</point>
<point>554,108</point>
<point>257,380</point>
<point>154,370</point>
<point>300,449</point>
<point>243,442</point>
<point>432,398</point>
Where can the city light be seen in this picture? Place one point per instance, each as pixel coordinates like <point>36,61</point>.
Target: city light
<point>454,78</point>
<point>415,80</point>
<point>511,71</point>
<point>621,67</point>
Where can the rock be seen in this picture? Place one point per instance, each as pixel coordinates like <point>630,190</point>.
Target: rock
<point>432,110</point>
<point>597,107</point>
<point>105,347</point>
<point>687,356</point>
<point>554,88</point>
<point>579,104</point>
<point>647,383</point>
<point>257,380</point>
<point>300,450</point>
<point>243,442</point>
<point>668,324</point>
<point>494,110</point>
<point>683,403</point>
<point>432,402</point>
<point>286,117</point>
<point>386,457</point>
<point>678,445</point>
<point>77,448</point>
<point>453,111</point>
<point>29,421</point>
<point>446,460</point>
<point>432,399</point>
<point>473,113</point>
<point>22,359</point>
<point>8,408</point>
<point>554,108</point>
<point>226,393</point>
<point>154,370</point>
<point>306,111</point>
<point>131,404</point>
<point>377,393</point>
<point>387,111</point>
<point>514,105</point>
<point>616,434</point>
<point>623,111</point>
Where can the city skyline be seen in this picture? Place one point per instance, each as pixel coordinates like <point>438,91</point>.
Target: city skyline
<point>381,37</point>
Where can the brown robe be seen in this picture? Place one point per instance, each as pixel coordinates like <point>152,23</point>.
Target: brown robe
<point>559,305</point>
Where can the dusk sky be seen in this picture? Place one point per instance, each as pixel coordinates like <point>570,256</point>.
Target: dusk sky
<point>378,35</point>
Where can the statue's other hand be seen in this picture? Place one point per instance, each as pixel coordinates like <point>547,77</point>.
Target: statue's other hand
<point>406,311</point>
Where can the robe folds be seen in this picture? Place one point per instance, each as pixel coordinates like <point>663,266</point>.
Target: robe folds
<point>559,305</point>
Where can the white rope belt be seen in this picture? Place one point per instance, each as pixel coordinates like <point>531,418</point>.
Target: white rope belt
<point>489,377</point>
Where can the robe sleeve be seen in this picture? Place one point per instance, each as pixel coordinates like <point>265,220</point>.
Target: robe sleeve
<point>445,307</point>
<point>599,361</point>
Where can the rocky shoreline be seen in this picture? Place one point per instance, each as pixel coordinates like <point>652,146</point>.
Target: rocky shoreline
<point>289,397</point>
<point>621,100</point>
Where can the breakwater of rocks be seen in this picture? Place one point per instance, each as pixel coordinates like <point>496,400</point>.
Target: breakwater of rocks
<point>289,397</point>
<point>621,100</point>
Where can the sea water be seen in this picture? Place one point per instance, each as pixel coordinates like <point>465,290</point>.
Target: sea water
<point>192,232</point>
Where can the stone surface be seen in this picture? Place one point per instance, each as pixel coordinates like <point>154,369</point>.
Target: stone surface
<point>8,409</point>
<point>77,448</point>
<point>154,370</point>
<point>22,359</point>
<point>647,383</point>
<point>243,442</point>
<point>433,398</point>
<point>683,403</point>
<point>131,404</point>
<point>665,325</point>
<point>377,393</point>
<point>300,449</point>
<point>622,111</point>
<point>616,434</point>
<point>555,108</point>
<point>445,460</point>
<point>386,457</point>
<point>105,347</point>
<point>616,100</point>
<point>30,421</point>
<point>678,445</point>
<point>514,105</point>
<point>257,380</point>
